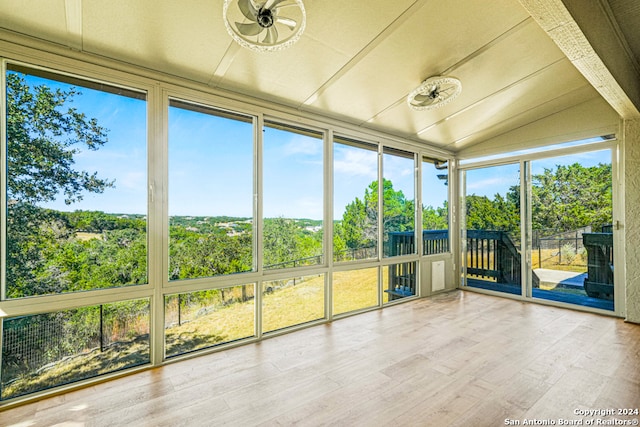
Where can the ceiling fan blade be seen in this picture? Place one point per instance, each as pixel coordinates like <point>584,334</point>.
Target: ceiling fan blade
<point>248,9</point>
<point>272,3</point>
<point>252,29</point>
<point>271,37</point>
<point>288,22</point>
<point>423,98</point>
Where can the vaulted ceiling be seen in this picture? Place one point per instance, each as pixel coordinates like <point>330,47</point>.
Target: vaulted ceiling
<point>357,60</point>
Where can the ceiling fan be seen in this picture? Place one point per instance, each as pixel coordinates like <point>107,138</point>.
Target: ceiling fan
<point>264,25</point>
<point>434,92</point>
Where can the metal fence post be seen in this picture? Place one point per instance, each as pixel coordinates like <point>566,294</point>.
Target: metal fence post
<point>101,329</point>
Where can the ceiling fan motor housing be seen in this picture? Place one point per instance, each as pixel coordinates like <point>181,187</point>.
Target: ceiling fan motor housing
<point>265,18</point>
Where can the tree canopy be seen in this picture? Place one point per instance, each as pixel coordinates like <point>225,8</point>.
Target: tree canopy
<point>573,196</point>
<point>564,198</point>
<point>359,225</point>
<point>43,135</point>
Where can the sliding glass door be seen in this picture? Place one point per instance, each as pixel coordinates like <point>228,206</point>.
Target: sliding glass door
<point>564,213</point>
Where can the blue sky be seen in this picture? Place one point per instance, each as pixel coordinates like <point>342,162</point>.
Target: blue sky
<point>211,163</point>
<point>123,158</point>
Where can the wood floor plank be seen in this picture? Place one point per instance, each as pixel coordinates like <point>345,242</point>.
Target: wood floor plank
<point>456,359</point>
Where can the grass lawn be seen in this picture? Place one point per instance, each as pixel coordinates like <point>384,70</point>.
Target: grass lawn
<point>286,304</point>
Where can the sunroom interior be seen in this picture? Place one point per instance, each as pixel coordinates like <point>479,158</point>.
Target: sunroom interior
<point>270,191</point>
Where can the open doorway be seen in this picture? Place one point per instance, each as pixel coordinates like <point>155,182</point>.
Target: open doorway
<point>572,229</point>
<point>492,244</point>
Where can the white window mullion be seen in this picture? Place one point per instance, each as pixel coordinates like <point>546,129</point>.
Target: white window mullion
<point>380,222</point>
<point>258,220</point>
<point>525,229</point>
<point>328,222</point>
<point>158,222</point>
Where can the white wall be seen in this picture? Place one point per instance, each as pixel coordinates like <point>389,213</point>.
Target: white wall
<point>592,118</point>
<point>631,223</point>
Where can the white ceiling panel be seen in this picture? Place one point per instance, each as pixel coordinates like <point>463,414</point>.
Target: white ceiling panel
<point>411,53</point>
<point>333,36</point>
<point>45,19</point>
<point>356,61</point>
<point>180,38</point>
<point>549,87</point>
<point>484,76</point>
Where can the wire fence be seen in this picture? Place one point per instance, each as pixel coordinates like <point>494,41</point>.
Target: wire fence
<point>31,343</point>
<point>559,247</point>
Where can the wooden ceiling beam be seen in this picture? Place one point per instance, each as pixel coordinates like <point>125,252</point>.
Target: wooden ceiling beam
<point>588,36</point>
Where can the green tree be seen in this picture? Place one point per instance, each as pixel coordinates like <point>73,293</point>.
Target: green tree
<point>571,197</point>
<point>193,255</point>
<point>435,218</point>
<point>43,135</point>
<point>499,213</point>
<point>280,241</point>
<point>360,219</point>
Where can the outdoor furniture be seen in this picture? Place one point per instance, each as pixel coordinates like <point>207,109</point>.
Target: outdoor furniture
<point>599,281</point>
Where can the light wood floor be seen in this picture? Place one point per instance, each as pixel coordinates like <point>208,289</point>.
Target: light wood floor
<point>462,359</point>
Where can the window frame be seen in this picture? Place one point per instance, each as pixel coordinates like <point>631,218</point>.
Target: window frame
<point>159,90</point>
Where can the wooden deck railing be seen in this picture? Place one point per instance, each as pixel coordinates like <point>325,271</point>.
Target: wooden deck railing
<point>490,254</point>
<point>433,242</point>
<point>493,255</point>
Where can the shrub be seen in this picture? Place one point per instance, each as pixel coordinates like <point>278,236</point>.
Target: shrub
<point>568,253</point>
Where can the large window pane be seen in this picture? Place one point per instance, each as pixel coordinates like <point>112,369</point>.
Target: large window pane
<point>572,234</point>
<point>204,319</point>
<point>435,207</point>
<point>399,281</point>
<point>293,197</point>
<point>76,185</point>
<point>398,201</point>
<point>492,224</point>
<point>292,301</point>
<point>210,192</point>
<point>355,290</point>
<point>52,349</point>
<point>355,200</point>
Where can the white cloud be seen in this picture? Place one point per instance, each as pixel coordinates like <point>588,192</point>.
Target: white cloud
<point>356,163</point>
<point>303,145</point>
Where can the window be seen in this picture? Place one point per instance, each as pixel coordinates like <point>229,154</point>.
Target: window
<point>355,290</point>
<point>210,192</point>
<point>355,200</point>
<point>435,207</point>
<point>399,281</point>
<point>293,197</point>
<point>398,202</point>
<point>202,319</point>
<point>42,351</point>
<point>76,185</point>
<point>572,257</point>
<point>292,301</point>
<point>236,214</point>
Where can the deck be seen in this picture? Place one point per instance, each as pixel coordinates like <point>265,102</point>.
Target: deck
<point>494,263</point>
<point>568,298</point>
